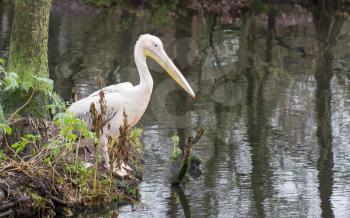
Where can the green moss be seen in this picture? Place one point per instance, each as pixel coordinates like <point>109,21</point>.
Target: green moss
<point>29,38</point>
<point>13,100</point>
<point>131,190</point>
<point>28,54</point>
<point>38,201</point>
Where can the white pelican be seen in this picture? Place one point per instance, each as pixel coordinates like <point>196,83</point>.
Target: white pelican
<point>126,97</point>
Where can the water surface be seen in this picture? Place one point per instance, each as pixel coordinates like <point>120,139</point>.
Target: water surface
<point>272,95</point>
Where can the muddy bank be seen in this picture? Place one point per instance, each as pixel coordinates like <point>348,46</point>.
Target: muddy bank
<point>46,181</point>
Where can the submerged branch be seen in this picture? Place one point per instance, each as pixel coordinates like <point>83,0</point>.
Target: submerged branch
<point>187,157</point>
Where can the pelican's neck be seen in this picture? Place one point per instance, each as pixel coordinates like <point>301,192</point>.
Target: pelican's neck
<point>146,81</point>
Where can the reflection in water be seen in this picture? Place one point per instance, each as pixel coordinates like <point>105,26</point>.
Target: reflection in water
<point>257,129</point>
<point>178,196</point>
<point>182,51</point>
<point>327,25</point>
<point>324,133</point>
<point>272,95</point>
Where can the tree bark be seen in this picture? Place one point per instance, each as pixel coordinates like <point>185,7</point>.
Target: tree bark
<point>28,54</point>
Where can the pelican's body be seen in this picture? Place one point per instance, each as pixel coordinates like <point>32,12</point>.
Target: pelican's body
<point>126,97</point>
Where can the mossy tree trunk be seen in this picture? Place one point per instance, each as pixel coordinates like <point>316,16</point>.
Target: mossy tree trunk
<point>28,55</point>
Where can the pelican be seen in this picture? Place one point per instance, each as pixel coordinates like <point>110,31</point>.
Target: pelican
<point>126,97</point>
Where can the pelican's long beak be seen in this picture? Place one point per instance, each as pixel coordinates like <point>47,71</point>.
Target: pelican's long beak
<point>163,60</point>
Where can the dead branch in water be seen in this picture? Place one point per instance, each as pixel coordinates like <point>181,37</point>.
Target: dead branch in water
<point>187,156</point>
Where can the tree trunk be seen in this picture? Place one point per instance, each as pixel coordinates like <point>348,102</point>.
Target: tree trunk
<point>28,55</point>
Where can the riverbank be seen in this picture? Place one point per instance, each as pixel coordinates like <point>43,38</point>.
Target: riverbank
<point>48,178</point>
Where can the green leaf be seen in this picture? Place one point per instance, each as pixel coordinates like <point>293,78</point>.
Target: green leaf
<point>57,103</point>
<point>19,146</point>
<point>32,138</point>
<point>2,61</point>
<point>29,138</point>
<point>10,81</point>
<point>176,150</point>
<point>5,128</point>
<point>8,130</point>
<point>26,86</point>
<point>47,160</point>
<point>2,155</point>
<point>48,82</point>
<point>175,139</point>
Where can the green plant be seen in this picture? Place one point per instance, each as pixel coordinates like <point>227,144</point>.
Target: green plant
<point>28,139</point>
<point>71,127</point>
<point>4,128</point>
<point>57,156</point>
<point>2,155</point>
<point>135,135</point>
<point>80,173</point>
<point>38,201</point>
<point>11,83</point>
<point>176,150</point>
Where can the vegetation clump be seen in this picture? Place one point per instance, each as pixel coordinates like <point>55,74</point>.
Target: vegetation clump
<point>49,166</point>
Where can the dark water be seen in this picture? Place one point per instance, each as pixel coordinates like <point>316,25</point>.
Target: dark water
<point>273,96</point>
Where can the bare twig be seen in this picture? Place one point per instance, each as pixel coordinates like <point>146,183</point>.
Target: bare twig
<point>60,201</point>
<point>74,96</point>
<point>23,106</point>
<point>5,214</point>
<point>7,190</point>
<point>7,205</point>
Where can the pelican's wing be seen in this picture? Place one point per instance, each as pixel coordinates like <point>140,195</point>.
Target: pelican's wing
<point>112,88</point>
<point>114,106</point>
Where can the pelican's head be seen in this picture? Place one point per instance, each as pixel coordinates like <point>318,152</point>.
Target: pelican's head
<point>153,47</point>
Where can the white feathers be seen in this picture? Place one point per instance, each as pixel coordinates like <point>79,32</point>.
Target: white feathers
<point>126,97</point>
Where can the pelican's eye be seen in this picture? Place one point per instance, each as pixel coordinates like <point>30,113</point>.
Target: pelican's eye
<point>155,45</point>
